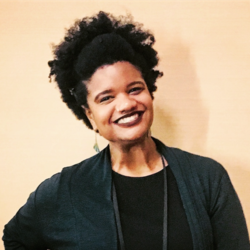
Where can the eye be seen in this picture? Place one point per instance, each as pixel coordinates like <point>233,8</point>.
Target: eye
<point>136,90</point>
<point>106,98</point>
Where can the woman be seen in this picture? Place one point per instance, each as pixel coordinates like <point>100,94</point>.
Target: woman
<point>137,193</point>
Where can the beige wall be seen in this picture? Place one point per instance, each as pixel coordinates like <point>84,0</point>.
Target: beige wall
<point>202,104</point>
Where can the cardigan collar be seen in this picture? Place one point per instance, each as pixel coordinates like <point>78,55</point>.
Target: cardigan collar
<point>92,183</point>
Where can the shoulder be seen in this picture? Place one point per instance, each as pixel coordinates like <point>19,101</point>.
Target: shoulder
<point>200,172</point>
<point>206,177</point>
<point>195,172</point>
<point>57,188</point>
<point>204,166</point>
<point>191,164</point>
<point>207,192</point>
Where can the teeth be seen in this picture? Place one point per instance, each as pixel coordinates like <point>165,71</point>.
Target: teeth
<point>128,119</point>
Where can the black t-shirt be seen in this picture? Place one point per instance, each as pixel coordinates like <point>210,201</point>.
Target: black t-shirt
<point>140,201</point>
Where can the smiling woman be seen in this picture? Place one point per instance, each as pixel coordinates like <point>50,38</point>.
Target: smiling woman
<point>120,106</point>
<point>137,193</point>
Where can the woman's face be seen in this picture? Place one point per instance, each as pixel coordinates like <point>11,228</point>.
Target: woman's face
<point>120,105</point>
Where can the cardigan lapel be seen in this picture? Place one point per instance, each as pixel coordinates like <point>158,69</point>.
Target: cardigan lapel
<point>93,207</point>
<point>192,195</point>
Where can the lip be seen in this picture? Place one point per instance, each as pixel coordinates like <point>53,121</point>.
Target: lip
<point>133,122</point>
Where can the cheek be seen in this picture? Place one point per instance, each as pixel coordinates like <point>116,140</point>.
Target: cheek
<point>150,107</point>
<point>148,101</point>
<point>102,116</point>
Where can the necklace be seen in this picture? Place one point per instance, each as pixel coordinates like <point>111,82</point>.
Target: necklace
<point>165,212</point>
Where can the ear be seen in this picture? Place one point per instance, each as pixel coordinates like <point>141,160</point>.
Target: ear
<point>89,114</point>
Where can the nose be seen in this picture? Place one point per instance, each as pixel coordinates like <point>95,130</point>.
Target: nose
<point>125,104</point>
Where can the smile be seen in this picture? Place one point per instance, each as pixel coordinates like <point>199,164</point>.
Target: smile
<point>129,120</point>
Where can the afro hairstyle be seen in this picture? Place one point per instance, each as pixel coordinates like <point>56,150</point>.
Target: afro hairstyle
<point>96,41</point>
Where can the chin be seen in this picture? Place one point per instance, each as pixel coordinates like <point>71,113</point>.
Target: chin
<point>134,138</point>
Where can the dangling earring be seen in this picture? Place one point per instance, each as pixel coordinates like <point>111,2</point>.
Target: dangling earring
<point>96,147</point>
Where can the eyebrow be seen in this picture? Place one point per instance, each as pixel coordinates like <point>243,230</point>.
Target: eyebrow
<point>135,82</point>
<point>108,91</point>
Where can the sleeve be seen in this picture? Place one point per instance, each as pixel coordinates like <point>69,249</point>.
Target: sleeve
<point>227,218</point>
<point>23,232</point>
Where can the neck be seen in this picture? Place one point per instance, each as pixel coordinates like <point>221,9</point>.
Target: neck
<point>137,159</point>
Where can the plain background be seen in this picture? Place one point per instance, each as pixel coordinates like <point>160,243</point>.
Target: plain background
<point>202,104</point>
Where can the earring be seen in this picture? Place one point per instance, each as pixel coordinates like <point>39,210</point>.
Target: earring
<point>96,147</point>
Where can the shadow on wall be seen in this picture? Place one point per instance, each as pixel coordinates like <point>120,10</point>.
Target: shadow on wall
<point>181,118</point>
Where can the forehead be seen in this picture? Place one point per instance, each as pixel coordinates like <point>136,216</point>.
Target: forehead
<point>114,75</point>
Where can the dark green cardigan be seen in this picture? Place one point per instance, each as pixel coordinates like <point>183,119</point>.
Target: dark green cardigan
<point>73,209</point>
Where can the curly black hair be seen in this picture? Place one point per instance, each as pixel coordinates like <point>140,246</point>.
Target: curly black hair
<point>96,41</point>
